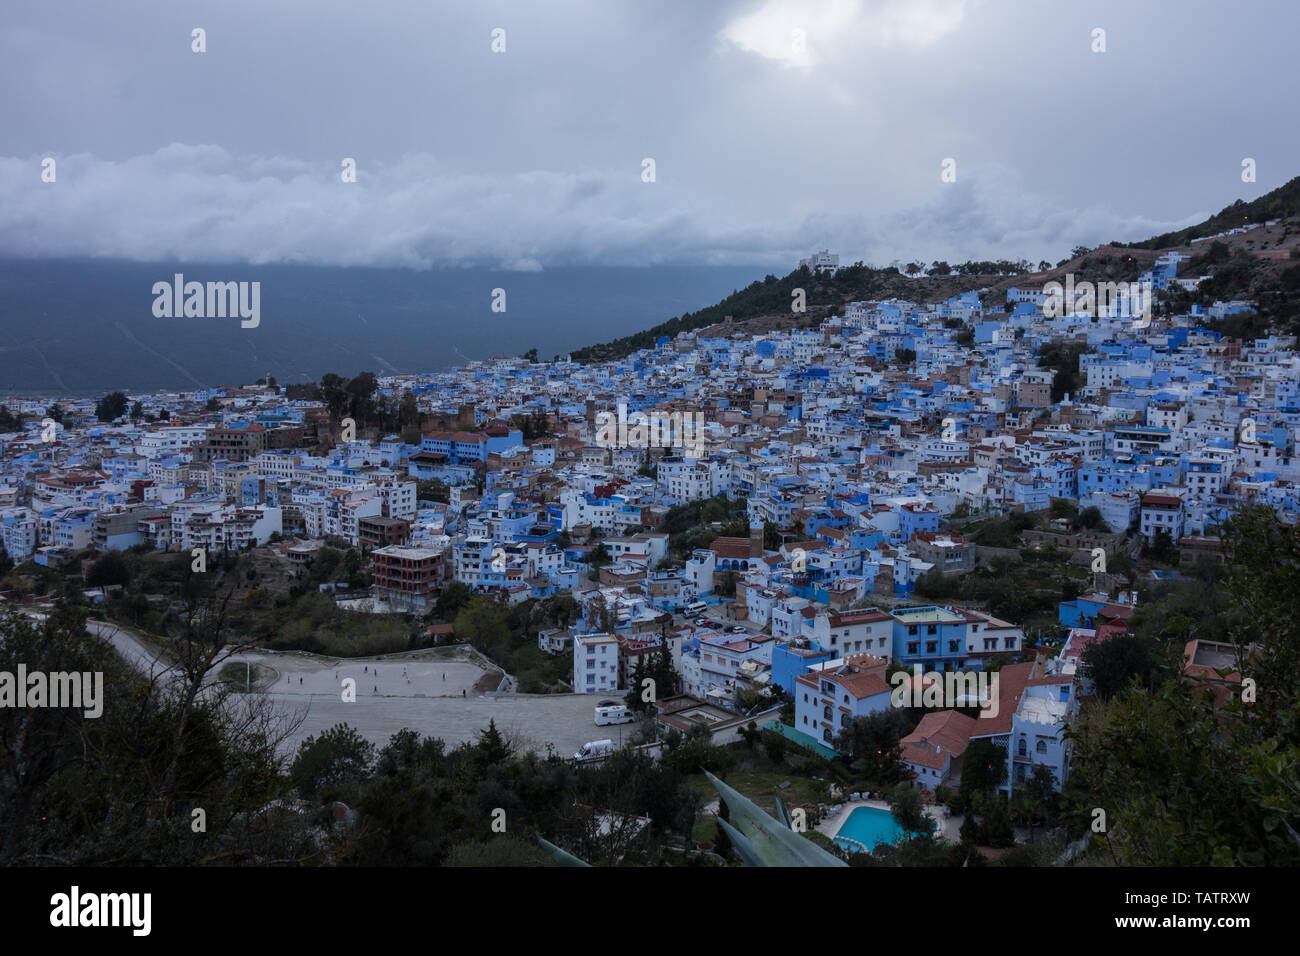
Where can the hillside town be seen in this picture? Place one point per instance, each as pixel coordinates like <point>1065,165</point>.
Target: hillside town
<point>859,451</point>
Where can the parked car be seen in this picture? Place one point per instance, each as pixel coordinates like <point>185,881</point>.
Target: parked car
<point>594,750</point>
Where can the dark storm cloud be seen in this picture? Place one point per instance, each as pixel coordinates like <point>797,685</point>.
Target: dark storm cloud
<point>775,127</point>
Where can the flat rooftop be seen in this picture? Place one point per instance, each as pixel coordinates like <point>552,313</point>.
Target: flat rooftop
<point>1041,710</point>
<point>922,615</point>
<point>1212,654</point>
<point>410,554</point>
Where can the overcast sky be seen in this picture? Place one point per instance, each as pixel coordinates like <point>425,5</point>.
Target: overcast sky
<point>764,147</point>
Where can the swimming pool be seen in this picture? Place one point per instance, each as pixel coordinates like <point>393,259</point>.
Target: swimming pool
<point>867,827</point>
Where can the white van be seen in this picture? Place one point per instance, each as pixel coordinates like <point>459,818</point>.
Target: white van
<point>595,750</point>
<point>696,609</point>
<point>615,714</point>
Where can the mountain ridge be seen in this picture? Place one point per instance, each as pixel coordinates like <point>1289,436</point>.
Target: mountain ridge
<point>764,305</point>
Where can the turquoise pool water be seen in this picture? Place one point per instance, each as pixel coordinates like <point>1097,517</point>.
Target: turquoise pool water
<point>868,826</point>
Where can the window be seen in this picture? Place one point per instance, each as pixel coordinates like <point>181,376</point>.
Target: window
<point>826,712</point>
<point>826,735</point>
<point>1042,747</point>
<point>805,698</point>
<point>1021,749</point>
<point>931,646</point>
<point>913,647</point>
<point>1009,643</point>
<point>912,629</point>
<point>931,629</point>
<point>805,718</point>
<point>953,647</point>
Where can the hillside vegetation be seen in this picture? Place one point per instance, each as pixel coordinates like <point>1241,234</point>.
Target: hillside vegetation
<point>1261,266</point>
<point>1278,204</point>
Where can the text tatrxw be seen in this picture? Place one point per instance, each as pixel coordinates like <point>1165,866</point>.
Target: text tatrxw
<point>216,300</point>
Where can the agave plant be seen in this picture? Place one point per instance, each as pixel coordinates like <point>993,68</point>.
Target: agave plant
<point>558,856</point>
<point>760,840</point>
<point>757,838</point>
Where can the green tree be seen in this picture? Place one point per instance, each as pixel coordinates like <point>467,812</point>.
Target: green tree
<point>775,746</point>
<point>331,761</point>
<point>492,747</point>
<point>111,407</point>
<point>907,809</point>
<point>408,414</point>
<point>1185,783</point>
<point>664,673</point>
<point>432,490</point>
<point>450,601</point>
<point>983,768</point>
<point>872,743</point>
<point>1091,519</point>
<point>109,569</point>
<point>1194,774</point>
<point>1120,662</point>
<point>483,623</point>
<point>1263,579</point>
<point>117,787</point>
<point>633,696</point>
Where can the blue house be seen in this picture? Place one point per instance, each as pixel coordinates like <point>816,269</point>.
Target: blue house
<point>790,660</point>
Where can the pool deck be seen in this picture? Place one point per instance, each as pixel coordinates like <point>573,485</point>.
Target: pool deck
<point>947,827</point>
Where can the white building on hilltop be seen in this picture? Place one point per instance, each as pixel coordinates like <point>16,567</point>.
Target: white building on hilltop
<point>821,261</point>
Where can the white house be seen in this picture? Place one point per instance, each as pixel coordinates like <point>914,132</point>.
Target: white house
<point>595,664</point>
<point>828,695</point>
